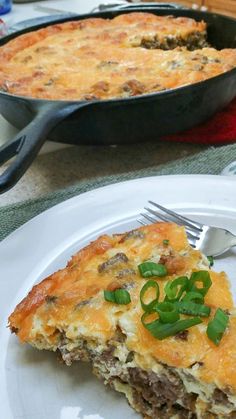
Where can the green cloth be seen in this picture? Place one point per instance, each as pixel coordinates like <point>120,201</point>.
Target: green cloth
<point>210,161</point>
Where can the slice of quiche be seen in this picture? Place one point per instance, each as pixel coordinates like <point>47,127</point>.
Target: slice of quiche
<point>147,311</point>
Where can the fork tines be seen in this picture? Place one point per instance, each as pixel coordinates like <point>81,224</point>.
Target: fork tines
<point>193,228</point>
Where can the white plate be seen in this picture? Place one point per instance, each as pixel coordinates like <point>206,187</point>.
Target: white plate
<point>33,385</point>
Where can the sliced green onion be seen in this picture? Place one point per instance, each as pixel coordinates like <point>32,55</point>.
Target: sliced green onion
<point>217,326</point>
<point>202,277</point>
<point>152,323</point>
<point>148,269</point>
<point>149,284</point>
<point>109,296</point>
<point>174,289</point>
<point>188,307</point>
<point>211,260</point>
<point>119,296</point>
<point>167,312</point>
<point>122,296</point>
<point>161,331</point>
<point>166,242</point>
<point>195,297</point>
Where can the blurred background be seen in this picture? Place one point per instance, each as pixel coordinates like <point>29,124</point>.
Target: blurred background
<point>227,7</point>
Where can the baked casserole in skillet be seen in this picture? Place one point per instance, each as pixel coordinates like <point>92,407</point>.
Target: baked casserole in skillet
<point>181,364</point>
<point>131,54</point>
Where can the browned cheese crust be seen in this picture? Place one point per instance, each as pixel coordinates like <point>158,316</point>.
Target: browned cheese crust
<point>132,54</point>
<point>175,377</point>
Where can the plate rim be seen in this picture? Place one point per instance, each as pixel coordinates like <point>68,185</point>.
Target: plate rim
<point>60,205</point>
<point>68,237</point>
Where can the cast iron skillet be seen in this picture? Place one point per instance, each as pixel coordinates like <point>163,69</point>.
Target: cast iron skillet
<point>116,121</point>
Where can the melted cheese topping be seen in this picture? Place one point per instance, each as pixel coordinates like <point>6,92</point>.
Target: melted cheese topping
<point>70,303</point>
<point>102,58</point>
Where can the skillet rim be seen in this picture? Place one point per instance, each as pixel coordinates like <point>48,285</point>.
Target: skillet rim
<point>143,97</point>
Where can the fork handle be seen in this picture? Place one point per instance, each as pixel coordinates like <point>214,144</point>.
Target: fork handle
<point>232,240</point>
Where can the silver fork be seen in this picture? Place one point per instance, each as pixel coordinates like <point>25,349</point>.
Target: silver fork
<point>212,241</point>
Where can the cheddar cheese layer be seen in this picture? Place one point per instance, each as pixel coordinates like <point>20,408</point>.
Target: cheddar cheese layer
<point>131,54</point>
<point>183,376</point>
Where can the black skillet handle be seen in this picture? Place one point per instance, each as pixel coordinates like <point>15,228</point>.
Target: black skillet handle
<point>29,140</point>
